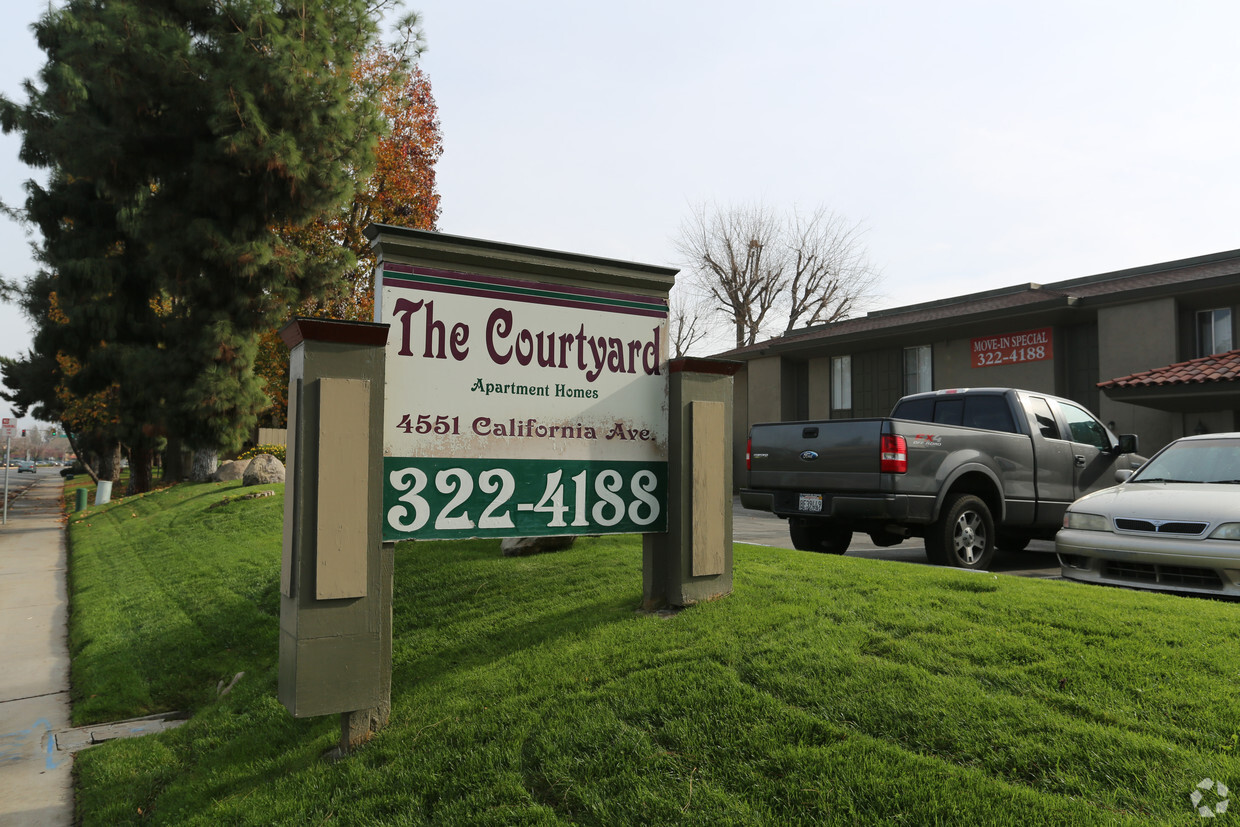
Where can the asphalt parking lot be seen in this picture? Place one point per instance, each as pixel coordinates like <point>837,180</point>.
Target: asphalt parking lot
<point>764,529</point>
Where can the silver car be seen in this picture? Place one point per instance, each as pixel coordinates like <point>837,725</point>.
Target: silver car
<point>1173,525</point>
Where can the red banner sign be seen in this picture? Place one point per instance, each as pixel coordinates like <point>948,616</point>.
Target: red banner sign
<point>1012,348</point>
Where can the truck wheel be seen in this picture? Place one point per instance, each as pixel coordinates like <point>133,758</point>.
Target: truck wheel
<point>825,538</point>
<point>964,536</point>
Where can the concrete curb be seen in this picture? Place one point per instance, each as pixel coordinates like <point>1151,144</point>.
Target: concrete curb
<point>78,739</point>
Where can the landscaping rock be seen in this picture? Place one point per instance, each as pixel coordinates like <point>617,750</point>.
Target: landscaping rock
<point>263,470</point>
<point>522,546</point>
<point>234,469</point>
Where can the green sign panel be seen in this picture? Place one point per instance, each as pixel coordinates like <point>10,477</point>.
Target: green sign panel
<point>444,498</point>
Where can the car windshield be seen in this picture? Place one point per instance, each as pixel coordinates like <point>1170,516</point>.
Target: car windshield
<point>1204,460</point>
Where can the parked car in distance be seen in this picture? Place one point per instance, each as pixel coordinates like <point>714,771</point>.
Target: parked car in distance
<point>25,465</point>
<point>1173,525</point>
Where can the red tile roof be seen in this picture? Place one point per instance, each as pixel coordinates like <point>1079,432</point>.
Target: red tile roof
<point>1221,367</point>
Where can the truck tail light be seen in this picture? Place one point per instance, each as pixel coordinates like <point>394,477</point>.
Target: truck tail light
<point>748,464</point>
<point>893,455</point>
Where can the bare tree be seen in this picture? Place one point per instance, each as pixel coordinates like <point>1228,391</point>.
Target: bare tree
<point>688,319</point>
<point>830,273</point>
<point>754,264</point>
<point>737,257</point>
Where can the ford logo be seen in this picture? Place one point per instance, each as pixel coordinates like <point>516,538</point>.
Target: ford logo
<point>809,456</point>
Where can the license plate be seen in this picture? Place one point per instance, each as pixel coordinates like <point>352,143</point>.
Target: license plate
<point>810,502</point>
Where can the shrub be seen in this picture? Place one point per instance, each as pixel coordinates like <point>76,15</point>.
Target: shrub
<point>276,451</point>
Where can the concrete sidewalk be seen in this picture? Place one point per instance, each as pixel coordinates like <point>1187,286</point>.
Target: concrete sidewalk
<point>36,785</point>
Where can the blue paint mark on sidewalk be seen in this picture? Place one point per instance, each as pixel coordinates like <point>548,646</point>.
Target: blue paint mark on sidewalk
<point>14,746</point>
<point>52,763</point>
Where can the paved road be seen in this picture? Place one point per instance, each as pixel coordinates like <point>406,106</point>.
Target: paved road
<point>765,529</point>
<point>20,483</point>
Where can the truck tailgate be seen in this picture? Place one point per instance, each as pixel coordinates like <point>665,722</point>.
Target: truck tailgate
<point>816,456</point>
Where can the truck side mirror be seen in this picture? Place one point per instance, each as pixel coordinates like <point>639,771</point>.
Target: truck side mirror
<point>1127,444</point>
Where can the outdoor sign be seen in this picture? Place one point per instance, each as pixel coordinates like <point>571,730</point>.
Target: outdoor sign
<point>518,408</point>
<point>9,427</point>
<point>1012,348</point>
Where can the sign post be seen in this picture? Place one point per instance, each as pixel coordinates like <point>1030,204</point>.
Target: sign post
<point>503,391</point>
<point>10,428</point>
<point>692,561</point>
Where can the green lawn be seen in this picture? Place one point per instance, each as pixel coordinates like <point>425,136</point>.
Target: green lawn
<point>825,690</point>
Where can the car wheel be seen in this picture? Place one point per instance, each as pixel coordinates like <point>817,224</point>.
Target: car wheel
<point>821,537</point>
<point>964,536</point>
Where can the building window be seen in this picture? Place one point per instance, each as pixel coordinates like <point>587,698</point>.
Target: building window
<point>1213,331</point>
<point>917,369</point>
<point>841,383</point>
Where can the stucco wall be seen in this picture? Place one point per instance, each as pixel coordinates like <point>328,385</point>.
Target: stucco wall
<point>820,388</point>
<point>759,397</point>
<point>953,368</point>
<point>1201,423</point>
<point>765,389</point>
<point>1132,338</point>
<point>740,424</point>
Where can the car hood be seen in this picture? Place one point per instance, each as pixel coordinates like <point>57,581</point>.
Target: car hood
<point>1203,502</point>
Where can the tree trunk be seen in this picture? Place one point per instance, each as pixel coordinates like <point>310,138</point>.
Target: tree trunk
<point>140,460</point>
<point>174,461</point>
<point>206,460</point>
<point>84,460</point>
<point>109,466</point>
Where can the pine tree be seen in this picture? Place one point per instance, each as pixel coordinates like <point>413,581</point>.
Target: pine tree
<point>401,190</point>
<point>180,134</point>
<point>94,326</point>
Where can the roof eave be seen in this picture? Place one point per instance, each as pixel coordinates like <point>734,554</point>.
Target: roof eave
<point>1195,397</point>
<point>808,342</point>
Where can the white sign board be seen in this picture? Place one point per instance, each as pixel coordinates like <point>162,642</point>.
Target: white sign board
<point>9,427</point>
<point>521,408</point>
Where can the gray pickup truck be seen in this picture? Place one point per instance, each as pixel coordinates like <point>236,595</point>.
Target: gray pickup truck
<point>967,470</point>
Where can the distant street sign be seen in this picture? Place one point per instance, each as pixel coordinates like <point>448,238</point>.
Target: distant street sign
<point>9,426</point>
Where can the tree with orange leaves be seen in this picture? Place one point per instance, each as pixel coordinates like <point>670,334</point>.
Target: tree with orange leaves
<point>400,191</point>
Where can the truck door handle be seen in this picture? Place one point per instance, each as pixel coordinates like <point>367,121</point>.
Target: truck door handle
<point>1080,460</point>
<point>809,433</point>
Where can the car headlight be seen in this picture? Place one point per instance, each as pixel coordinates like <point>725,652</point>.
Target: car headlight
<point>1227,531</point>
<point>1085,522</point>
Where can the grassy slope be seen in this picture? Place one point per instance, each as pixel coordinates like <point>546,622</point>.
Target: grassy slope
<point>825,690</point>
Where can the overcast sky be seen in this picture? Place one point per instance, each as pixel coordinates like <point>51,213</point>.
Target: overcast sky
<point>983,144</point>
